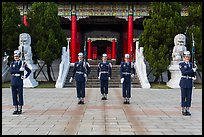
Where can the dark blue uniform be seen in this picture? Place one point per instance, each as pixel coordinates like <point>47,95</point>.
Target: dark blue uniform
<point>17,81</point>
<point>104,72</point>
<point>80,68</point>
<point>186,83</point>
<point>126,69</point>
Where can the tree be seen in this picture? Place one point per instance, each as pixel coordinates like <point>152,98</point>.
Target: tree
<point>47,35</point>
<point>194,23</point>
<point>158,37</point>
<point>11,21</point>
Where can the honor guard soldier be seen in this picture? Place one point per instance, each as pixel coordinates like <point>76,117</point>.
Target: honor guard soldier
<point>17,68</point>
<point>80,73</point>
<point>104,74</point>
<point>126,72</point>
<point>186,82</point>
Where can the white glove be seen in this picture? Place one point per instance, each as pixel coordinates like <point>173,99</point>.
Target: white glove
<point>109,78</point>
<point>132,75</point>
<point>70,80</point>
<point>196,66</point>
<point>23,77</point>
<point>193,78</point>
<point>121,80</point>
<point>98,77</point>
<point>22,69</point>
<point>85,75</point>
<point>194,69</point>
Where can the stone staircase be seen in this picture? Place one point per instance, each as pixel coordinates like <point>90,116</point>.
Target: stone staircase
<point>94,82</point>
<point>95,62</point>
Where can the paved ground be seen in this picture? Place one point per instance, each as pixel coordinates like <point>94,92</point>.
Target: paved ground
<point>56,112</point>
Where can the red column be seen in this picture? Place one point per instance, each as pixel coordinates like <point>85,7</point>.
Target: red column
<point>25,21</point>
<point>130,33</point>
<point>113,50</point>
<point>125,40</point>
<point>73,39</point>
<point>89,50</point>
<point>78,39</point>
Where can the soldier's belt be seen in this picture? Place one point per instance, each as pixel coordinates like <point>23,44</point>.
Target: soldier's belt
<point>104,72</point>
<point>187,77</point>
<point>126,73</point>
<point>16,75</point>
<point>79,72</point>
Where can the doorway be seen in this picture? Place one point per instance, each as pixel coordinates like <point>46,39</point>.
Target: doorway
<point>100,47</point>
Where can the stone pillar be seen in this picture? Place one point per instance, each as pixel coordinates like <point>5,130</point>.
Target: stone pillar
<point>130,33</point>
<point>89,50</point>
<point>113,50</point>
<point>73,38</point>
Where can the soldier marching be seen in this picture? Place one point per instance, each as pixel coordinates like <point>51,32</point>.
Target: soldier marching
<point>127,71</point>
<point>186,82</point>
<point>104,74</point>
<point>80,73</point>
<point>17,68</point>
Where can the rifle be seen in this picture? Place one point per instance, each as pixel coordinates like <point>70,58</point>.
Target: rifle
<point>193,54</point>
<point>22,58</point>
<point>85,58</point>
<point>132,58</point>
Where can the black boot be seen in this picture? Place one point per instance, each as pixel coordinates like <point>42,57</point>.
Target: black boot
<point>125,101</point>
<point>188,112</point>
<point>82,101</point>
<point>79,102</point>
<point>184,111</point>
<point>15,111</point>
<point>105,97</point>
<point>128,100</point>
<point>20,110</point>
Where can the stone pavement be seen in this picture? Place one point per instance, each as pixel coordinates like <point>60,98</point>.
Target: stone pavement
<point>56,112</point>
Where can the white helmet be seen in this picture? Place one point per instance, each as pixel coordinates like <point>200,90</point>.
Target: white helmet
<point>104,55</point>
<point>127,56</point>
<point>17,52</point>
<point>80,54</point>
<point>187,53</point>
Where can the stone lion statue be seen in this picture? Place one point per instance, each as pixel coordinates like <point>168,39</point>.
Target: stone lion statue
<point>179,48</point>
<point>25,41</point>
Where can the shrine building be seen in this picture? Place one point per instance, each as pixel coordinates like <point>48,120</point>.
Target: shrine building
<point>100,27</point>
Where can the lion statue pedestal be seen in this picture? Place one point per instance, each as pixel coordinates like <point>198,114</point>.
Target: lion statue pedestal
<point>25,41</point>
<point>177,55</point>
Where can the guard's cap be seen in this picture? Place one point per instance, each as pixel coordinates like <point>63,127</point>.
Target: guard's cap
<point>187,53</point>
<point>17,52</point>
<point>80,54</point>
<point>127,56</point>
<point>104,55</point>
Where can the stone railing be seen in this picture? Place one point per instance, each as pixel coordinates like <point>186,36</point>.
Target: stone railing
<point>63,67</point>
<point>5,69</point>
<point>141,67</point>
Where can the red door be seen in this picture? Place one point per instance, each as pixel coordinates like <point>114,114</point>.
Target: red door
<point>108,51</point>
<point>94,51</point>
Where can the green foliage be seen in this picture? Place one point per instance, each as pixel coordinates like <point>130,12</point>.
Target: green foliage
<point>47,35</point>
<point>194,22</point>
<point>164,24</point>
<point>159,32</point>
<point>11,20</point>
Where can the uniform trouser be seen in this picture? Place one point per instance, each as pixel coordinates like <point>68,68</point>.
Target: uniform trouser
<point>186,94</point>
<point>80,89</point>
<point>17,95</point>
<point>127,89</point>
<point>104,86</point>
